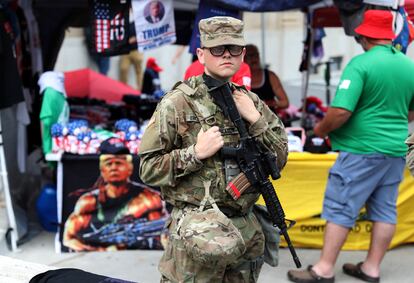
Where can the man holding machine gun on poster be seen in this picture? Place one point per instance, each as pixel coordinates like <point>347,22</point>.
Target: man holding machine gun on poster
<point>210,146</point>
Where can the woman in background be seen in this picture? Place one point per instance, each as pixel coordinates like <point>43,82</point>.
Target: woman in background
<point>266,84</point>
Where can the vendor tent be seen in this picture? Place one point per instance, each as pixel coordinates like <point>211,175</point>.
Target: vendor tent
<point>88,83</point>
<point>75,13</point>
<point>326,14</point>
<point>329,16</point>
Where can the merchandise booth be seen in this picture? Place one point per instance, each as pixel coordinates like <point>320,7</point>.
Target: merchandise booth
<point>102,101</point>
<point>306,174</point>
<point>301,190</point>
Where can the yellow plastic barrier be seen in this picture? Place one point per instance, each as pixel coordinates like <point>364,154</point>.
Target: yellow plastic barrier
<point>301,190</point>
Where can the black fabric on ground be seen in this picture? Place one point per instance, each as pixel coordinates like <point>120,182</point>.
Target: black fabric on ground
<point>71,275</point>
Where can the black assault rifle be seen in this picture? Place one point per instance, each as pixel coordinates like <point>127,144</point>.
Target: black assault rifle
<point>138,233</point>
<point>255,161</point>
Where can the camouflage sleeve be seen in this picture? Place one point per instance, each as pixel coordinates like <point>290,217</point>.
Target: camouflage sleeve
<point>270,131</point>
<point>410,154</point>
<point>162,160</point>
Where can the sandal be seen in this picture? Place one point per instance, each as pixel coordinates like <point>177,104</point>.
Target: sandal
<point>356,271</point>
<point>308,276</point>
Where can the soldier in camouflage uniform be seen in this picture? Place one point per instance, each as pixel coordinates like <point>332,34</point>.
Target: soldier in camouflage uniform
<point>410,153</point>
<point>180,152</point>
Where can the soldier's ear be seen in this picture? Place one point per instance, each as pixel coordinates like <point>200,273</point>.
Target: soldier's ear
<point>243,53</point>
<point>200,55</point>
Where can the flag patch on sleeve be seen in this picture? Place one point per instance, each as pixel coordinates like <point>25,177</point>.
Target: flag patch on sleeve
<point>345,84</point>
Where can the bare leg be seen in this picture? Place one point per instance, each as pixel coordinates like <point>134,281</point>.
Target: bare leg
<point>381,237</point>
<point>334,238</point>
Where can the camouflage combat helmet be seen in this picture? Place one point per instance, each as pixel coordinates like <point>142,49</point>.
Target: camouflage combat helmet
<point>216,31</point>
<point>211,238</point>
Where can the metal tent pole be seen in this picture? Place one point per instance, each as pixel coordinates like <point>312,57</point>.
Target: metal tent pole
<point>9,206</point>
<point>263,40</point>
<point>306,74</point>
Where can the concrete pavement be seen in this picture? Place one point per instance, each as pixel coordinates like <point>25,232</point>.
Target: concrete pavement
<point>141,266</point>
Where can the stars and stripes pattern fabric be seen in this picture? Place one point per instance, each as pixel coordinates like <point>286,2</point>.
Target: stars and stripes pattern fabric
<point>110,27</point>
<point>102,25</point>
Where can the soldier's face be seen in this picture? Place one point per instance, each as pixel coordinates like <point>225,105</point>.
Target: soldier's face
<point>115,169</point>
<point>220,67</point>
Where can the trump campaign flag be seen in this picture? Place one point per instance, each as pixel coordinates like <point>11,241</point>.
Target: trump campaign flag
<point>110,26</point>
<point>154,23</point>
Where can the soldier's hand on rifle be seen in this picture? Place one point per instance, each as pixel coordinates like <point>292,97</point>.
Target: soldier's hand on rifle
<point>208,142</point>
<point>246,107</point>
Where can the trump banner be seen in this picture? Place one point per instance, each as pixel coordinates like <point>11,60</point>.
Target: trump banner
<point>154,23</point>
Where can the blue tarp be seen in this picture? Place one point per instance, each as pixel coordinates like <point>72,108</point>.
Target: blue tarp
<point>263,5</point>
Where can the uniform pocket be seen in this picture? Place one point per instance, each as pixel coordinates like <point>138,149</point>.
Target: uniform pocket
<point>175,264</point>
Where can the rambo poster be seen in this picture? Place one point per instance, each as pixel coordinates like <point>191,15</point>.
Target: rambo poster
<point>106,207</point>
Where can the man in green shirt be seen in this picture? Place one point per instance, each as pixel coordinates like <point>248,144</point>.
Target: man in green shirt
<point>368,124</point>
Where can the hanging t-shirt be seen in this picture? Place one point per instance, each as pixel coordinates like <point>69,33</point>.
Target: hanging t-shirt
<point>110,27</point>
<point>54,109</point>
<point>10,83</point>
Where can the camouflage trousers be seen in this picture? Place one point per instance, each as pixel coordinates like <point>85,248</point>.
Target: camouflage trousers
<point>177,267</point>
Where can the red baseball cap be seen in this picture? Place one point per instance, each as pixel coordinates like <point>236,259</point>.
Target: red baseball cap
<point>376,24</point>
<point>152,64</point>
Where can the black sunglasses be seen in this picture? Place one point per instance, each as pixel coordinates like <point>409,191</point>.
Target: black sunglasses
<point>234,50</point>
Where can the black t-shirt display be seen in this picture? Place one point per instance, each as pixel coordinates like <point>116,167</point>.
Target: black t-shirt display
<point>10,82</point>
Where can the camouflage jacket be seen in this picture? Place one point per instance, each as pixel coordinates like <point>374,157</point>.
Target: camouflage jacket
<point>167,157</point>
<point>410,153</point>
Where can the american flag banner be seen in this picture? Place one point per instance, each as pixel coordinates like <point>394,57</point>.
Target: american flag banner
<point>102,21</point>
<point>110,26</point>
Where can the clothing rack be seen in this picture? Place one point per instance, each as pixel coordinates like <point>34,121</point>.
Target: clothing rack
<point>11,234</point>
